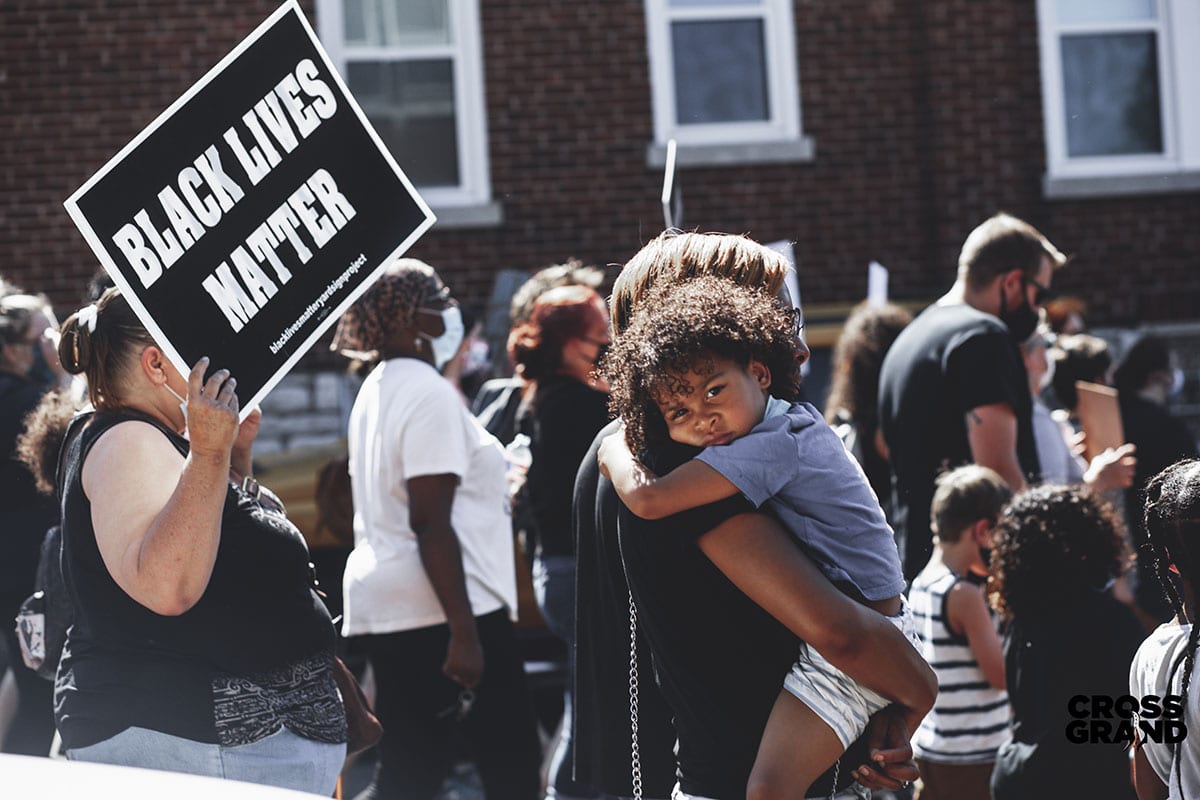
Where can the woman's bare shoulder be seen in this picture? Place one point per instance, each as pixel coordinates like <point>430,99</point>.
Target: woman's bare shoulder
<point>131,450</point>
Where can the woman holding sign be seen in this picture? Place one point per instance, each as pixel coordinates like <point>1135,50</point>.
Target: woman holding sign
<point>431,586</point>
<point>199,644</point>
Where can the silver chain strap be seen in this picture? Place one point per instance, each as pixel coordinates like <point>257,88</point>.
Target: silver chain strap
<point>837,768</point>
<point>635,756</point>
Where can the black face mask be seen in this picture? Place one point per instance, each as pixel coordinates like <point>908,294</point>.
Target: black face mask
<point>1022,321</point>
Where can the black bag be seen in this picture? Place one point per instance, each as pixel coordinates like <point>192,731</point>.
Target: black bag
<point>46,615</point>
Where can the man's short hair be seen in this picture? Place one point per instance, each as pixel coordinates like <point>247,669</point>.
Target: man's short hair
<point>571,273</point>
<point>963,497</point>
<point>1001,244</point>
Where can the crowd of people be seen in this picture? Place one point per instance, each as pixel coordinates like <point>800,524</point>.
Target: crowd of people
<point>904,593</point>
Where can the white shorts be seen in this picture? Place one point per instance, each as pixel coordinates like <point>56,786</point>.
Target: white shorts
<point>843,703</point>
<point>854,791</point>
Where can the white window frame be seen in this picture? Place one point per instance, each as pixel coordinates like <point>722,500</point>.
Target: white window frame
<point>1177,25</point>
<point>470,111</point>
<point>783,82</point>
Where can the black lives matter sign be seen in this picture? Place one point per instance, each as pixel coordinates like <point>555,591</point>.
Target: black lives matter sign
<point>253,211</point>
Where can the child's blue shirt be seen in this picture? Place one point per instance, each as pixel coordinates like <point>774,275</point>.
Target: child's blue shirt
<point>796,465</point>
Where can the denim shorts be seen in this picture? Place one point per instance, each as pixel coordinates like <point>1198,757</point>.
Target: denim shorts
<point>843,703</point>
<point>283,759</point>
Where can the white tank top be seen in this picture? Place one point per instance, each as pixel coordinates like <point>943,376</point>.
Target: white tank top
<point>970,719</point>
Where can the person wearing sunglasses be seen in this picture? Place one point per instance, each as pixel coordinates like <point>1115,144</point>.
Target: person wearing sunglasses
<point>564,405</point>
<point>953,389</point>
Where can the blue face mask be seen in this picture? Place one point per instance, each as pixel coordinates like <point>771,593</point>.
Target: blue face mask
<point>445,346</point>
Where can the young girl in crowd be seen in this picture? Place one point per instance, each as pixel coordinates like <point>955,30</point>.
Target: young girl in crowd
<point>717,366</point>
<point>1164,663</point>
<point>1056,553</point>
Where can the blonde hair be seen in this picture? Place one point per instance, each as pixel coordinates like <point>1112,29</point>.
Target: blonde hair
<point>675,257</point>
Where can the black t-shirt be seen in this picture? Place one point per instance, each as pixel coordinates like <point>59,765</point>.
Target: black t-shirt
<point>1161,441</point>
<point>25,515</point>
<point>950,360</point>
<point>718,659</point>
<point>561,423</point>
<point>1084,647</point>
<point>254,653</point>
<point>496,405</point>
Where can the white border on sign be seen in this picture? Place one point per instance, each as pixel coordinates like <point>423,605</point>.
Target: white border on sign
<point>143,314</point>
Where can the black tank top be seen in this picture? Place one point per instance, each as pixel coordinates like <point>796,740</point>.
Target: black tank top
<point>255,653</point>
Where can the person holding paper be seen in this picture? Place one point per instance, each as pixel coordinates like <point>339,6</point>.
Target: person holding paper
<point>1112,468</point>
<point>199,643</point>
<point>952,387</point>
<point>431,584</point>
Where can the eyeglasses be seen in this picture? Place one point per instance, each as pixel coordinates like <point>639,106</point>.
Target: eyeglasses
<point>436,301</point>
<point>460,708</point>
<point>1041,294</point>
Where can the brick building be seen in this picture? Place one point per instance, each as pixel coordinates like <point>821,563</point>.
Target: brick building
<point>860,129</point>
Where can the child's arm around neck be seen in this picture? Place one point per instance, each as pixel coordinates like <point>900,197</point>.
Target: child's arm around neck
<point>691,485</point>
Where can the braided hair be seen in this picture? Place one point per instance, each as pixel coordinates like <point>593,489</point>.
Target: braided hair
<point>1172,525</point>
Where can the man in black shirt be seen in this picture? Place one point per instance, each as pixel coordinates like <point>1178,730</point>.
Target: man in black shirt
<point>953,388</point>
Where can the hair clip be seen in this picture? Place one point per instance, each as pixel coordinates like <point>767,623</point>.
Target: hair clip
<point>86,317</point>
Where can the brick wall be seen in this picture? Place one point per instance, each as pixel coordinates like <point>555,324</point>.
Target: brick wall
<point>926,118</point>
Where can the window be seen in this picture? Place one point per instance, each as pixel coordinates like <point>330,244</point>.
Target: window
<point>415,68</point>
<point>723,77</point>
<point>1120,80</point>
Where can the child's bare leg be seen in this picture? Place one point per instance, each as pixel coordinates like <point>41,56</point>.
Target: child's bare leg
<point>797,746</point>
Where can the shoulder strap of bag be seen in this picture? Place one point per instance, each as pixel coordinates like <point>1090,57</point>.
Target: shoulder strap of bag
<point>635,760</point>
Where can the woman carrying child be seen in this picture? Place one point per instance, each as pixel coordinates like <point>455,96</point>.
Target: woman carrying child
<point>714,365</point>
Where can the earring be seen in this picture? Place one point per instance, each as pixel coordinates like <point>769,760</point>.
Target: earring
<point>417,342</point>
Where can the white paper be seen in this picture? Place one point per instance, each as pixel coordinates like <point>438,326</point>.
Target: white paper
<point>877,284</point>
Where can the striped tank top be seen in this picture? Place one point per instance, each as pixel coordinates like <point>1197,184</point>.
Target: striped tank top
<point>970,719</point>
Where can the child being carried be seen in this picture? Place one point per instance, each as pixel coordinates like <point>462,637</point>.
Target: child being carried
<point>717,366</point>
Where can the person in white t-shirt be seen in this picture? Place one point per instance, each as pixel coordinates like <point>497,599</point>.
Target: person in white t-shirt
<point>1165,662</point>
<point>431,586</point>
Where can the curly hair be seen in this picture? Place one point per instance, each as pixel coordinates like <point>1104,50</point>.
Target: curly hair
<point>42,438</point>
<point>679,328</point>
<point>857,359</point>
<point>1053,544</point>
